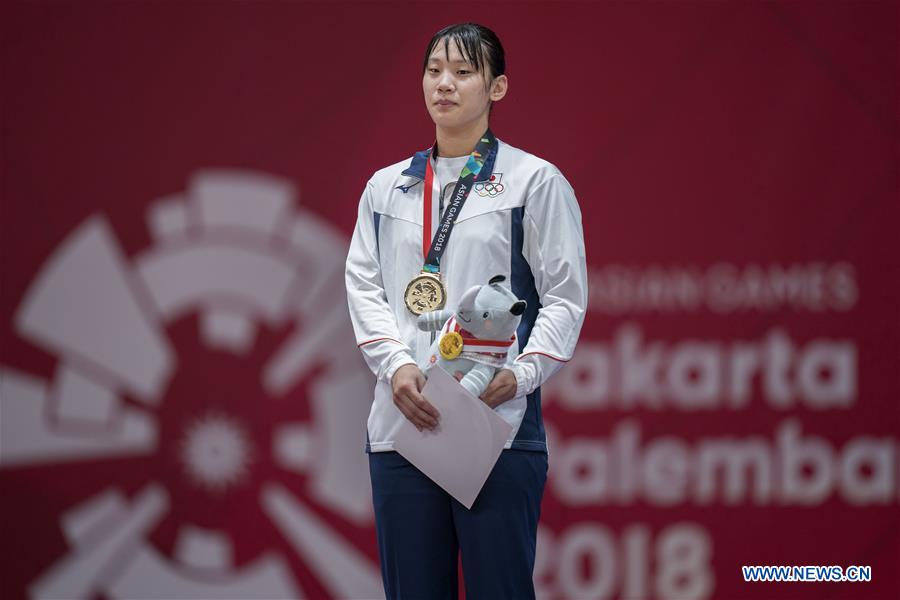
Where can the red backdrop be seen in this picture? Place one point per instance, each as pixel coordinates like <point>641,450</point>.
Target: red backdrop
<point>183,405</point>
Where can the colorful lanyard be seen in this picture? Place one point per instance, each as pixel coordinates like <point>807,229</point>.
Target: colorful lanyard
<point>435,250</point>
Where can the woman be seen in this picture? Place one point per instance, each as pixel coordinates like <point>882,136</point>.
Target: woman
<point>511,213</point>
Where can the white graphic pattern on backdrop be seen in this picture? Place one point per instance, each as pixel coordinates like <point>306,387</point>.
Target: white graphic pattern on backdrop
<point>235,250</point>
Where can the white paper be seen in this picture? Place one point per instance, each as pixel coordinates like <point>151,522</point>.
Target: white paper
<point>460,452</point>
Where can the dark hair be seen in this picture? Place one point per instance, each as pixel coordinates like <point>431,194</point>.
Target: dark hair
<point>477,44</point>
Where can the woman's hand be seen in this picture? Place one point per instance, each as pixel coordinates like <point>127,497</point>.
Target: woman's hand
<point>501,388</point>
<point>407,382</point>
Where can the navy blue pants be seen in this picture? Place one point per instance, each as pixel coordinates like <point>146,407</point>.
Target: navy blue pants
<point>421,529</point>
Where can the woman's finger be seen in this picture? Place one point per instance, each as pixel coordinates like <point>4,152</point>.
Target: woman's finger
<point>422,404</point>
<point>402,405</point>
<point>426,406</point>
<point>415,413</point>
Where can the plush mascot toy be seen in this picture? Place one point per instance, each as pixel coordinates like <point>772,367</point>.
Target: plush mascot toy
<point>476,338</point>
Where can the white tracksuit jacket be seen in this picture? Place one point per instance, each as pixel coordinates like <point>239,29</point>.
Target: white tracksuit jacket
<point>522,221</point>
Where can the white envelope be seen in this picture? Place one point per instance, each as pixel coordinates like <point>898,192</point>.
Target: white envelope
<point>460,452</point>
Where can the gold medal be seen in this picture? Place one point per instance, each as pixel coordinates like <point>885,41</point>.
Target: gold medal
<point>451,345</point>
<point>425,293</point>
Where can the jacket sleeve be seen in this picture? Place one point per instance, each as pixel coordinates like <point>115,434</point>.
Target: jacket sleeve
<point>374,323</point>
<point>554,248</point>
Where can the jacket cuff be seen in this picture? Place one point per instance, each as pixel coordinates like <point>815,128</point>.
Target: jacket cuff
<point>398,361</point>
<point>523,381</point>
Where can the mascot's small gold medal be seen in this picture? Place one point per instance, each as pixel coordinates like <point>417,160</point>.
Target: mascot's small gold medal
<point>425,293</point>
<point>451,345</point>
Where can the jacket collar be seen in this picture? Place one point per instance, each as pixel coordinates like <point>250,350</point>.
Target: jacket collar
<point>416,166</point>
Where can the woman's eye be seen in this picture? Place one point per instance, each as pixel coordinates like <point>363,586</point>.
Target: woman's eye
<point>463,72</point>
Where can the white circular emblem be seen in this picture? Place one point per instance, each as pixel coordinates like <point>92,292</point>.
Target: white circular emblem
<point>219,363</point>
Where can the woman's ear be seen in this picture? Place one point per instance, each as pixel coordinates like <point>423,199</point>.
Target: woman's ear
<point>499,87</point>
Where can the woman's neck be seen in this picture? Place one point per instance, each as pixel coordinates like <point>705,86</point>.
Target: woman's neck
<point>454,143</point>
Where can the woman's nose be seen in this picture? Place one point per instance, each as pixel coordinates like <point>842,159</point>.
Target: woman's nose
<point>446,81</point>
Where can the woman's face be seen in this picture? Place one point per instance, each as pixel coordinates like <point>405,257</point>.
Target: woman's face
<point>455,93</point>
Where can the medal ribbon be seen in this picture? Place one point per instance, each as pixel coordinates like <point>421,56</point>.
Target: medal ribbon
<point>464,184</point>
<point>473,344</point>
